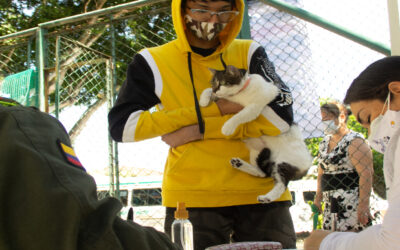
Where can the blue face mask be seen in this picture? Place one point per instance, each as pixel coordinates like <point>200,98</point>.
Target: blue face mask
<point>329,127</point>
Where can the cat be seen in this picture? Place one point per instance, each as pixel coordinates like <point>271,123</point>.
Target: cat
<point>284,157</point>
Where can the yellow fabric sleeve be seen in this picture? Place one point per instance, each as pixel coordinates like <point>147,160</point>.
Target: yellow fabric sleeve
<point>153,124</point>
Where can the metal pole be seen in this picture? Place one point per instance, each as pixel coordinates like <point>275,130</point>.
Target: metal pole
<point>29,50</point>
<point>41,66</point>
<point>57,95</point>
<point>113,84</point>
<point>321,22</point>
<point>105,11</point>
<point>23,33</point>
<point>110,141</point>
<point>394,23</point>
<point>245,30</point>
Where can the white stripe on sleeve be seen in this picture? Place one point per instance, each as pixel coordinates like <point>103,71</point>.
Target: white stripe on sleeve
<point>130,127</point>
<point>253,47</point>
<point>157,75</point>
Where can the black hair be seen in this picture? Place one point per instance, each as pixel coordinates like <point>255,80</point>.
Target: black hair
<point>336,109</point>
<point>372,83</point>
<point>331,108</point>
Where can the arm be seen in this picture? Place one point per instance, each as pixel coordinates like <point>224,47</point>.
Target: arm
<point>282,105</point>
<point>192,133</point>
<point>384,236</point>
<point>275,119</point>
<point>52,202</point>
<point>130,118</point>
<point>318,195</point>
<point>361,157</point>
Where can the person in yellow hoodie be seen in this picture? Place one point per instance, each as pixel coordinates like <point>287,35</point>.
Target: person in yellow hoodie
<point>221,200</point>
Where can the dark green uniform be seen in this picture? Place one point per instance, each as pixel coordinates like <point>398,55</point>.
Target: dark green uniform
<point>48,201</point>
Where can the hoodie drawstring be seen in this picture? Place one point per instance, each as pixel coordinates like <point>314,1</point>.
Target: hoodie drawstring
<point>222,61</point>
<point>196,101</point>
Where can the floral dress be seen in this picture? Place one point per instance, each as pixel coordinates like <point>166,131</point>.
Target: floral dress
<point>340,181</point>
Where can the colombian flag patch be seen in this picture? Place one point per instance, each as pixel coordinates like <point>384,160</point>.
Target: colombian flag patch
<point>69,154</point>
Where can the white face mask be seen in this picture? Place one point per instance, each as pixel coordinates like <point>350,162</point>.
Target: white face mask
<point>383,127</point>
<point>204,30</point>
<point>330,127</point>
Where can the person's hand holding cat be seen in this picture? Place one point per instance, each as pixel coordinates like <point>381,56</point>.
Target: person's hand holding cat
<point>191,133</point>
<point>182,136</point>
<point>228,107</point>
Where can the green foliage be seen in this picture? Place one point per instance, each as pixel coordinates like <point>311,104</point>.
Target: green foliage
<point>313,145</point>
<point>353,124</point>
<point>379,181</point>
<point>147,26</point>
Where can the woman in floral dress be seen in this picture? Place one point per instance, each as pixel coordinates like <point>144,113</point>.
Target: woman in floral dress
<point>344,173</point>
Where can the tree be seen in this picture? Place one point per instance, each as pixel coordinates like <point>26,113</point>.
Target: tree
<point>145,27</point>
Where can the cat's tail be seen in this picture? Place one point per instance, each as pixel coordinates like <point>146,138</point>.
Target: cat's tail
<point>263,161</point>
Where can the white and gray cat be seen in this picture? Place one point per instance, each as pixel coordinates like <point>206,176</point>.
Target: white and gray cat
<point>284,157</point>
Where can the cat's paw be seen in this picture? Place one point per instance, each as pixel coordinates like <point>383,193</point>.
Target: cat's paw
<point>246,167</point>
<point>228,128</point>
<point>264,199</point>
<point>205,97</point>
<point>236,162</point>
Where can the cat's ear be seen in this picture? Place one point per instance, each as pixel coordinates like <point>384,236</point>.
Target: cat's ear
<point>212,70</point>
<point>230,69</point>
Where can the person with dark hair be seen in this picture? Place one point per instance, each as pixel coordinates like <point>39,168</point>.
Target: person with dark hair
<point>345,171</point>
<point>374,98</point>
<point>48,201</point>
<point>222,201</point>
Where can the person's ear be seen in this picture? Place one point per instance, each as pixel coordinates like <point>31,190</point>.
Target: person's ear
<point>342,118</point>
<point>394,87</point>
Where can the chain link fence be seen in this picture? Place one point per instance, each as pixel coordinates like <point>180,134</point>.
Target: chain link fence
<point>84,58</point>
<point>318,65</point>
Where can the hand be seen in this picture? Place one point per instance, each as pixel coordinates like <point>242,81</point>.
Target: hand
<point>363,213</point>
<point>313,242</point>
<point>182,136</point>
<point>228,107</point>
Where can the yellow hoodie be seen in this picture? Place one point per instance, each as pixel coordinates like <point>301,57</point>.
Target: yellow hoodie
<point>197,173</point>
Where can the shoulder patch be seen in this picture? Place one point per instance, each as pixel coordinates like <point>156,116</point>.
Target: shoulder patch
<point>69,155</point>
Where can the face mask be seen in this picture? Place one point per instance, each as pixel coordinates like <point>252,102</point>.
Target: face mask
<point>204,30</point>
<point>329,127</point>
<point>383,127</point>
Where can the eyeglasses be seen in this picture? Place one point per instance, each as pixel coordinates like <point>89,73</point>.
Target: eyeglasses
<point>205,15</point>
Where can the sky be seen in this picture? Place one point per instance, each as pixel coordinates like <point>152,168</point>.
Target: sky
<point>91,145</point>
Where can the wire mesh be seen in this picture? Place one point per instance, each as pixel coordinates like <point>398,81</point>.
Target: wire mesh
<point>317,65</point>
